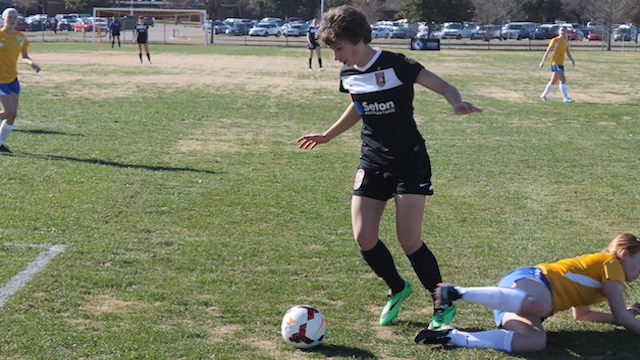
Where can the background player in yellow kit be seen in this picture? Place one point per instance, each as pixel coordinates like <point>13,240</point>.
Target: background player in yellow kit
<point>558,46</point>
<point>13,43</point>
<point>527,295</point>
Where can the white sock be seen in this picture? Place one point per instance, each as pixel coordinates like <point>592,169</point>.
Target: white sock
<point>563,90</point>
<point>5,130</point>
<point>504,299</point>
<point>547,89</point>
<point>492,339</point>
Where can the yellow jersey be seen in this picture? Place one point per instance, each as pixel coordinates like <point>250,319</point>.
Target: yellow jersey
<point>580,281</point>
<point>10,48</point>
<point>559,46</point>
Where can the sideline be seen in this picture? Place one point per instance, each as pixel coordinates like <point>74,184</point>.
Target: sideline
<point>23,277</point>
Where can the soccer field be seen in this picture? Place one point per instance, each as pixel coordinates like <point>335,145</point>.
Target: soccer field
<point>191,221</point>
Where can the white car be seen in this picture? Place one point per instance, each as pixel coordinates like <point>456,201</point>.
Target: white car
<point>378,32</point>
<point>458,30</point>
<point>265,29</point>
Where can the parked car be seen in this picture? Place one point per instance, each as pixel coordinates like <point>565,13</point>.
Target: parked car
<point>275,20</point>
<point>295,29</point>
<point>83,25</point>
<point>378,32</point>
<point>596,35</point>
<point>403,32</point>
<point>544,32</point>
<point>585,30</point>
<point>456,30</point>
<point>625,32</point>
<point>218,26</point>
<point>238,29</point>
<point>574,34</point>
<point>486,32</point>
<point>518,30</point>
<point>101,23</point>
<point>66,21</point>
<point>265,29</point>
<point>38,24</point>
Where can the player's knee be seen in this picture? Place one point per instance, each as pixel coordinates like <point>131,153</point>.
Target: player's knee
<point>530,340</point>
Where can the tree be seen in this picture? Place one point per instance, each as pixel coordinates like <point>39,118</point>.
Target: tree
<point>436,10</point>
<point>497,11</point>
<point>86,5</point>
<point>609,13</point>
<point>284,8</point>
<point>214,8</point>
<point>543,10</point>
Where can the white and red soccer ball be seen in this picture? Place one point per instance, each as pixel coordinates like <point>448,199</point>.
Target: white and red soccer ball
<point>303,327</point>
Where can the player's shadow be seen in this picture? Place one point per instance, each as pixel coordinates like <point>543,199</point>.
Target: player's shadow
<point>115,164</point>
<point>342,351</point>
<point>45,132</point>
<point>578,344</point>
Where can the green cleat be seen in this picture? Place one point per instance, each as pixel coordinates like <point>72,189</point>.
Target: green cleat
<point>392,307</point>
<point>442,316</point>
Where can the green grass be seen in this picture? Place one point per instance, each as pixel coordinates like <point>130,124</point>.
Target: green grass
<point>192,221</point>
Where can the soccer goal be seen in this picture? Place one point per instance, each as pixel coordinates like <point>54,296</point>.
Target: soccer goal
<point>167,25</point>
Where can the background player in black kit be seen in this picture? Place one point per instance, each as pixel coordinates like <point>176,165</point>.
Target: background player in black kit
<point>142,30</point>
<point>312,44</point>
<point>394,161</point>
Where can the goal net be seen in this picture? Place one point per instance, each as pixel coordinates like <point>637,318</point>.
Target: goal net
<point>166,25</point>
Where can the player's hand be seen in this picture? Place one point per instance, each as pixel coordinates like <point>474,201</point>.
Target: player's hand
<point>311,140</point>
<point>634,309</point>
<point>465,108</point>
<point>541,65</point>
<point>35,67</point>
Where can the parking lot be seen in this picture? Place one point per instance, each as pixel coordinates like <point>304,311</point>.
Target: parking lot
<point>170,34</point>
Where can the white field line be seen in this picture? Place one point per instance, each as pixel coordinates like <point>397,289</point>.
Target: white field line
<point>23,277</point>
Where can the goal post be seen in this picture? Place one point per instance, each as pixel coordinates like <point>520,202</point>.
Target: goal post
<point>174,22</point>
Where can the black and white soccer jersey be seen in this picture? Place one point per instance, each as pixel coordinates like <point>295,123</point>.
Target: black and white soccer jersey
<point>142,31</point>
<point>383,94</point>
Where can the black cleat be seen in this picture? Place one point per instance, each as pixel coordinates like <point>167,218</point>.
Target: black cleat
<point>426,336</point>
<point>4,149</point>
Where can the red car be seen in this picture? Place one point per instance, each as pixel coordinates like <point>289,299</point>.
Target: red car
<point>574,34</point>
<point>595,35</point>
<point>83,25</point>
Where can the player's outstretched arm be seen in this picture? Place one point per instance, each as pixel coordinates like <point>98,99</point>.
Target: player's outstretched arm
<point>349,118</point>
<point>434,83</point>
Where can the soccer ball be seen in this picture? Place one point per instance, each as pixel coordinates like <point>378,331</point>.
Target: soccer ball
<point>303,327</point>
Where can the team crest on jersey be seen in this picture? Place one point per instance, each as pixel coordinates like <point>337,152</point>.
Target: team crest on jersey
<point>409,60</point>
<point>19,38</point>
<point>380,79</point>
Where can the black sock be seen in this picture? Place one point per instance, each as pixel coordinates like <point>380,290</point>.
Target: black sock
<point>380,260</point>
<point>320,62</point>
<point>309,63</point>
<point>140,54</point>
<point>426,267</point>
<point>149,57</point>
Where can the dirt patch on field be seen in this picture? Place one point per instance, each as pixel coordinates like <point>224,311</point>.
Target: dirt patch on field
<point>118,74</point>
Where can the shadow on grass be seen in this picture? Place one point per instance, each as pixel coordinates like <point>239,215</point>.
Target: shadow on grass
<point>342,351</point>
<point>45,132</point>
<point>579,344</point>
<point>115,164</point>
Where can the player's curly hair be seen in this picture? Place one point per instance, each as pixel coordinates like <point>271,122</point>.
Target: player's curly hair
<point>626,241</point>
<point>344,24</point>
